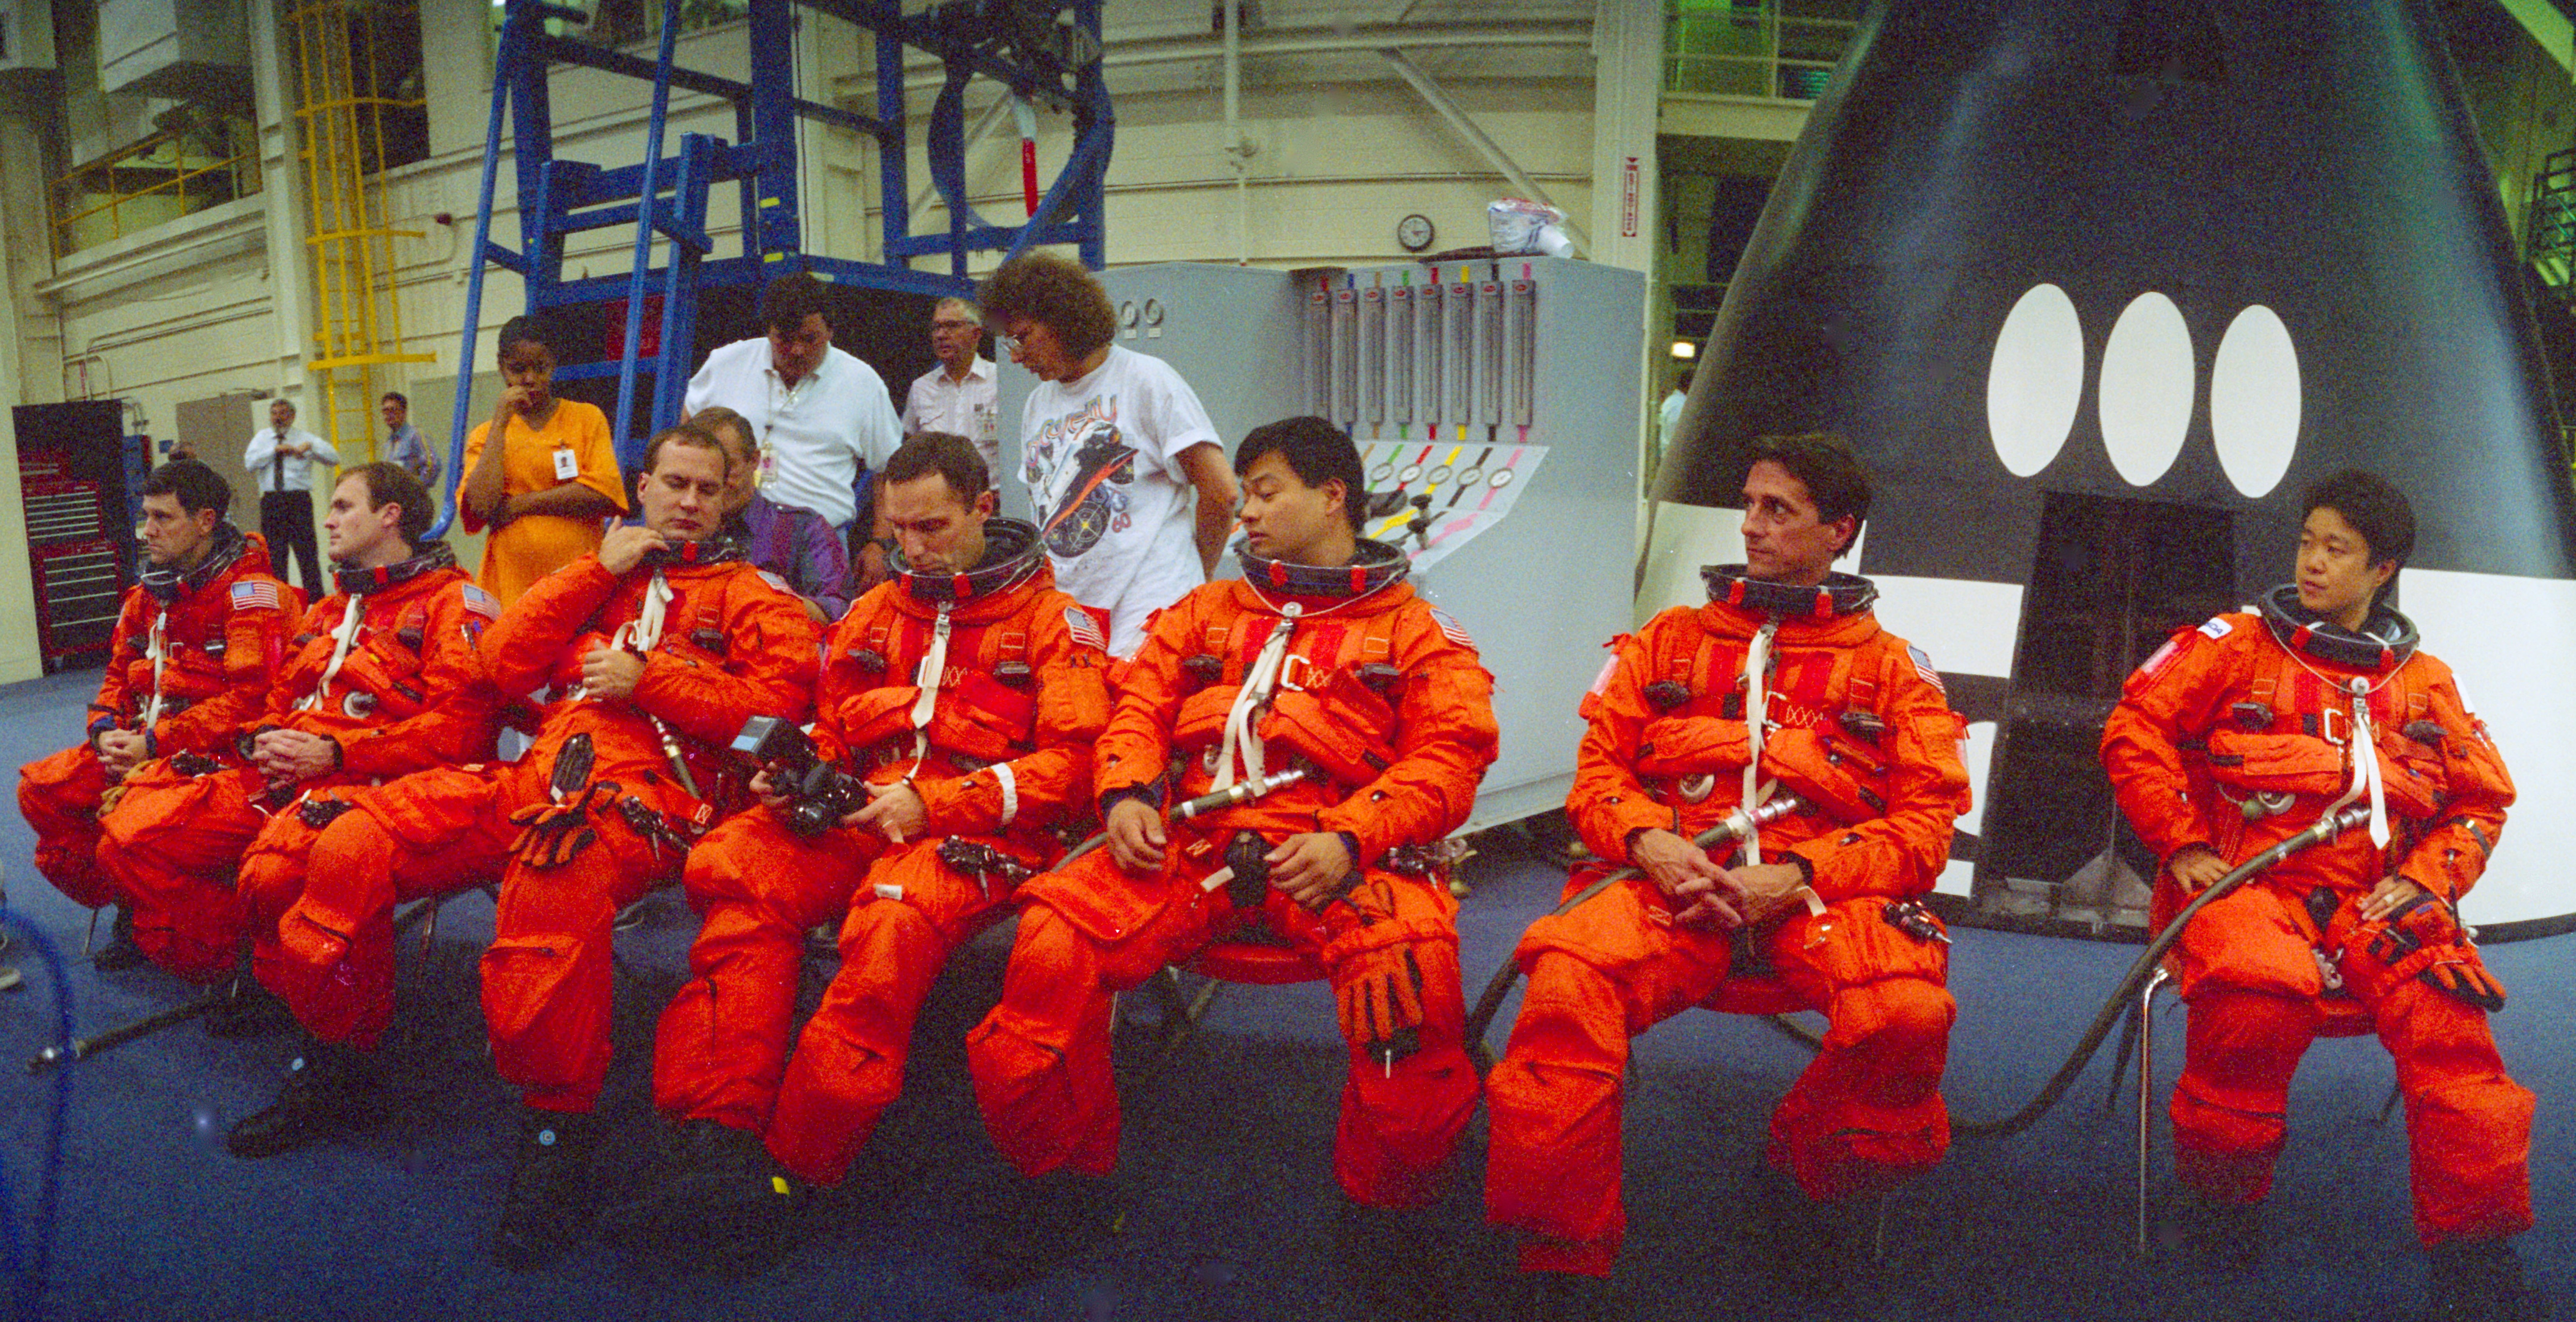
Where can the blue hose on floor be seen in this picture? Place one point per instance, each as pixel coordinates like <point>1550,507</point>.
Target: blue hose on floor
<point>28,1242</point>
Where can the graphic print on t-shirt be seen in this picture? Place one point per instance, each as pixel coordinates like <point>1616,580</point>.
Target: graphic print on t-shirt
<point>1080,467</point>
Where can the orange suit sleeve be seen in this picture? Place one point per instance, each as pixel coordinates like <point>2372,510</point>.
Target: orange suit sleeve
<point>1900,853</point>
<point>1445,737</point>
<point>1608,802</point>
<point>1136,748</point>
<point>2452,854</point>
<point>767,668</point>
<point>2174,699</point>
<point>521,646</point>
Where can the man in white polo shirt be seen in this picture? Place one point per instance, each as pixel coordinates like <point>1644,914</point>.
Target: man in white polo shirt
<point>281,456</point>
<point>957,396</point>
<point>821,418</point>
<point>1129,479</point>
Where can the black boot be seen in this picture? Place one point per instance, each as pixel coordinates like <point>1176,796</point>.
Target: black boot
<point>1391,1266</point>
<point>251,1011</point>
<point>120,953</point>
<point>1049,1223</point>
<point>2479,1280</point>
<point>726,1204</point>
<point>549,1199</point>
<point>329,1093</point>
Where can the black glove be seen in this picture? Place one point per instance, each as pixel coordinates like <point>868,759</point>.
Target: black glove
<point>553,834</point>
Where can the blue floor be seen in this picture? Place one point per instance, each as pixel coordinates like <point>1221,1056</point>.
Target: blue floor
<point>1228,1142</point>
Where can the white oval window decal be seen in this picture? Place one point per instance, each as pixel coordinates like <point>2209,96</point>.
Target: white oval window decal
<point>2148,387</point>
<point>2035,383</point>
<point>2254,401</point>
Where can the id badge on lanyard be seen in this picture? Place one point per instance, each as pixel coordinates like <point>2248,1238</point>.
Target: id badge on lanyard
<point>567,466</point>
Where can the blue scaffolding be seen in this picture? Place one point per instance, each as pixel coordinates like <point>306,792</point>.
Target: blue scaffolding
<point>1046,51</point>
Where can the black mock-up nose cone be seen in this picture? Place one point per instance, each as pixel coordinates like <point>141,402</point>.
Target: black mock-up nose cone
<point>2098,289</point>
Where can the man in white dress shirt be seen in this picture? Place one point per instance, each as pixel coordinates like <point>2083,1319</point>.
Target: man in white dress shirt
<point>957,396</point>
<point>821,417</point>
<point>281,457</point>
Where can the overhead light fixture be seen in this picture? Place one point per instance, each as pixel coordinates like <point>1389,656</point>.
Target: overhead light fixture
<point>1685,349</point>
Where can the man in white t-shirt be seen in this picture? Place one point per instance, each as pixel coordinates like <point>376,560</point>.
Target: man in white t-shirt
<point>957,396</point>
<point>1128,477</point>
<point>821,418</point>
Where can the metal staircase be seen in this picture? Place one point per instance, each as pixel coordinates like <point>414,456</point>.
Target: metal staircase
<point>1042,50</point>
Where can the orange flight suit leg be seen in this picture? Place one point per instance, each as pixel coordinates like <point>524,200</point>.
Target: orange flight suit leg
<point>59,796</point>
<point>330,955</point>
<point>849,1061</point>
<point>757,886</point>
<point>1597,977</point>
<point>1041,1058</point>
<point>1400,1122</point>
<point>2468,1127</point>
<point>171,845</point>
<point>1866,1114</point>
<point>2231,1106</point>
<point>2249,975</point>
<point>548,983</point>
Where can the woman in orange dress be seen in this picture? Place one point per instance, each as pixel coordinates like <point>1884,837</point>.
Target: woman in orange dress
<point>545,489</point>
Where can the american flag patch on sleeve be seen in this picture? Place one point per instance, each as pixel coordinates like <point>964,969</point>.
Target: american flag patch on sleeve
<point>480,602</point>
<point>257,594</point>
<point>1449,628</point>
<point>1923,667</point>
<point>1601,682</point>
<point>1085,630</point>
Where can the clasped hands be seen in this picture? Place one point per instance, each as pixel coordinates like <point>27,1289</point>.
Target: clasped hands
<point>1708,893</point>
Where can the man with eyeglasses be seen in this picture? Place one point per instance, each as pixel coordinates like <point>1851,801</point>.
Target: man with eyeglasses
<point>1124,470</point>
<point>956,397</point>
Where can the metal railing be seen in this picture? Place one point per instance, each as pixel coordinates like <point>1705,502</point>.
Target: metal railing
<point>1762,49</point>
<point>158,179</point>
<point>2549,224</point>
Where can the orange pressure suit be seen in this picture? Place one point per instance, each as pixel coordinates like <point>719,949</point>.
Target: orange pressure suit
<point>193,657</point>
<point>2244,731</point>
<point>1382,701</point>
<point>1012,711</point>
<point>1855,724</point>
<point>592,817</point>
<point>386,669</point>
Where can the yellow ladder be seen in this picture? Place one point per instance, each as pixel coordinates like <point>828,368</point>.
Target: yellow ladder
<point>359,322</point>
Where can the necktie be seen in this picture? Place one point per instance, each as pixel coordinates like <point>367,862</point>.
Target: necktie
<point>277,457</point>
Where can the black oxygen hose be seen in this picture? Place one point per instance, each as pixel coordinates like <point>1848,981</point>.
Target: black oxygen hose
<point>2140,970</point>
<point>2144,967</point>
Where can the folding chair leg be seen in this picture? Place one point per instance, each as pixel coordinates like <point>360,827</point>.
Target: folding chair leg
<point>2146,1014</point>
